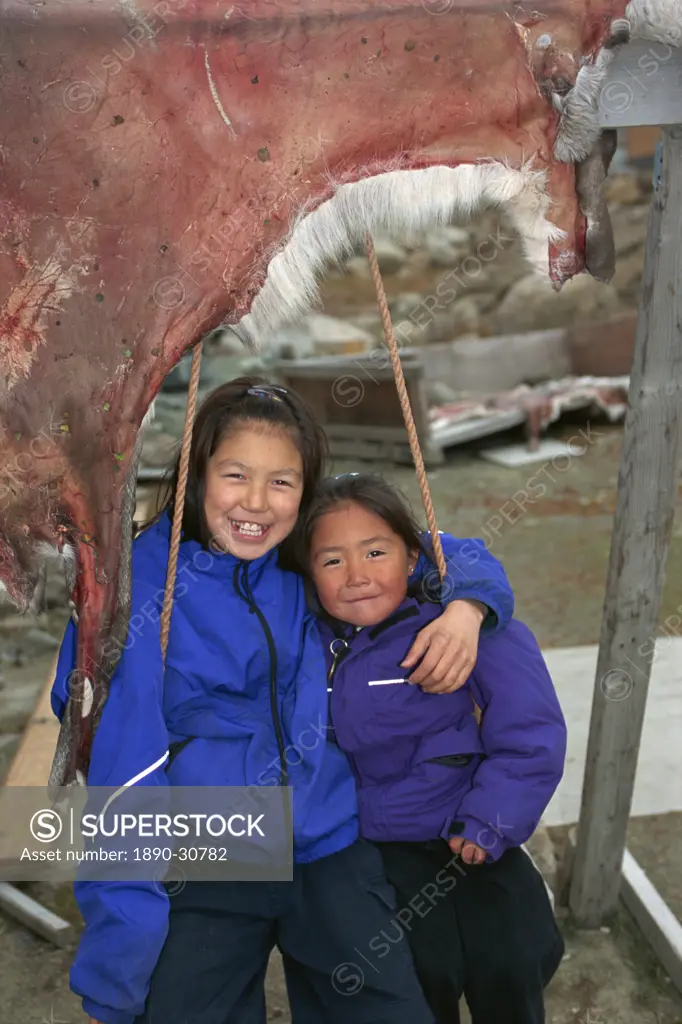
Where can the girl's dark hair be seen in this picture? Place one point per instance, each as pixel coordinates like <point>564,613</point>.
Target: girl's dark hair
<point>231,405</point>
<point>373,493</point>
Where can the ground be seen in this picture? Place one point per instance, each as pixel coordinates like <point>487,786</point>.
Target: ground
<point>556,554</point>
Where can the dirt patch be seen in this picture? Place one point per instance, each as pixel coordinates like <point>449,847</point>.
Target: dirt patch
<point>607,977</point>
<point>610,977</point>
<point>655,842</point>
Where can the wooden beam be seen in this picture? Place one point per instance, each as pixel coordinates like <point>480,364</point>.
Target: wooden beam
<point>33,759</point>
<point>643,87</point>
<point>34,915</point>
<point>655,918</point>
<point>647,488</point>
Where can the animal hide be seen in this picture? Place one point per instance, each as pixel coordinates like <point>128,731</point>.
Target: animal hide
<point>171,165</point>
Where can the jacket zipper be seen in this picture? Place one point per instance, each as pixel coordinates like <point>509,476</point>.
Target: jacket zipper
<point>274,710</point>
<point>339,649</point>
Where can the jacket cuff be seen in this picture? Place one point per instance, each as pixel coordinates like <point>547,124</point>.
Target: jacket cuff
<point>105,1014</point>
<point>491,619</point>
<point>463,827</point>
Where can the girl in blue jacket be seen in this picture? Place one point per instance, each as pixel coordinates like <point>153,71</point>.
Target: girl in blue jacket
<point>242,701</point>
<point>432,783</point>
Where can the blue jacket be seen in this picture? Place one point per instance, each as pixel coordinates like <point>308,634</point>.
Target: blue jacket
<point>224,663</point>
<point>423,766</point>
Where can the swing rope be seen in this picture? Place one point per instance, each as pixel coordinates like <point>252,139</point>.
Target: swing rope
<point>401,388</point>
<point>410,426</point>
<point>180,491</point>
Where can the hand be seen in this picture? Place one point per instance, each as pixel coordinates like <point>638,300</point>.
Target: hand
<point>469,852</point>
<point>449,646</point>
<point>93,1021</point>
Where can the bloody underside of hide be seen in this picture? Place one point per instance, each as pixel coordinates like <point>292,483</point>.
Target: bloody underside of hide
<point>153,157</point>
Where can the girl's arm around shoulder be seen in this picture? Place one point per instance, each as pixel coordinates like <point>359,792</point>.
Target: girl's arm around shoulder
<point>477,597</point>
<point>473,575</point>
<point>523,733</point>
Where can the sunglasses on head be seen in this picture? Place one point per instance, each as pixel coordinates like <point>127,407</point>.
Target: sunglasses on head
<point>266,391</point>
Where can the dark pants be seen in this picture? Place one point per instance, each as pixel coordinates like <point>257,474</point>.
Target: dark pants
<point>485,931</point>
<point>212,966</point>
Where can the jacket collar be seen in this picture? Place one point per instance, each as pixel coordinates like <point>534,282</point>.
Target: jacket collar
<point>214,562</point>
<point>410,608</point>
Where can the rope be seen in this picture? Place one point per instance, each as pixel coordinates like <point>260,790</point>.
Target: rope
<point>180,490</point>
<point>406,407</point>
<point>410,425</point>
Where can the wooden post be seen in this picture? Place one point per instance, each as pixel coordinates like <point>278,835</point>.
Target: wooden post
<point>647,487</point>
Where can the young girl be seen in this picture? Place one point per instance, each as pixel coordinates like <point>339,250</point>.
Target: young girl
<point>238,703</point>
<point>431,783</point>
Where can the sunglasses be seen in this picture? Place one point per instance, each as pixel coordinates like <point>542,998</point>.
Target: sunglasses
<point>267,392</point>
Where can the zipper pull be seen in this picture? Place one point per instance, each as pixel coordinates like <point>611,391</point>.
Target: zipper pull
<point>337,647</point>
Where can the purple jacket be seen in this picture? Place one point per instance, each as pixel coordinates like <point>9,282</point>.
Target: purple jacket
<point>422,765</point>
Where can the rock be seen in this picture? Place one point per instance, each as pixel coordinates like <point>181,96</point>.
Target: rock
<point>629,228</point>
<point>390,255</point>
<point>293,341</point>
<point>56,591</point>
<point>225,340</point>
<point>427,324</point>
<point>158,449</point>
<point>369,323</point>
<point>447,246</point>
<point>459,319</point>
<point>12,623</point>
<point>416,265</point>
<point>403,305</point>
<point>628,276</point>
<point>169,420</point>
<point>623,189</point>
<point>8,748</point>
<point>439,393</point>
<point>454,234</point>
<point>508,266</point>
<point>408,335</point>
<point>35,642</point>
<point>358,267</point>
<point>487,223</point>
<point>7,607</point>
<point>17,712</point>
<point>178,378</point>
<point>531,304</point>
<point>12,654</point>
<point>168,402</point>
<point>331,336</point>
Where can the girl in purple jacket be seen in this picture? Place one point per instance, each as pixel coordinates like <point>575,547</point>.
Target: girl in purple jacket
<point>449,802</point>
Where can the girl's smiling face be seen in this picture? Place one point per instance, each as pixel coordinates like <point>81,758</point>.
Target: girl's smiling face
<point>253,490</point>
<point>360,567</point>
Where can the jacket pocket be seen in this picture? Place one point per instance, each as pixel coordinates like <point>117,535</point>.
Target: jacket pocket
<point>454,748</point>
<point>451,760</point>
<point>176,748</point>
